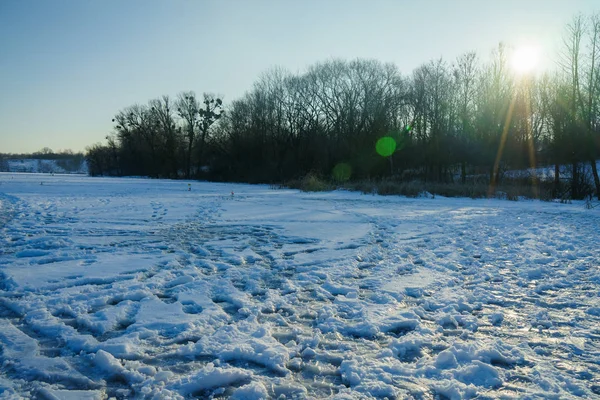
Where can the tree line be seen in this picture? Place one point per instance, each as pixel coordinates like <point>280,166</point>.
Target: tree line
<point>363,119</point>
<point>66,159</point>
<point>45,153</point>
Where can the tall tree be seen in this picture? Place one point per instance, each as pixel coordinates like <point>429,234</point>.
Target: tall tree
<point>465,76</point>
<point>210,112</point>
<point>592,106</point>
<point>188,110</point>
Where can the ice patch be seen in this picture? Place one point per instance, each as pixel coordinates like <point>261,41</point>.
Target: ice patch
<point>412,284</point>
<point>56,394</point>
<point>595,311</point>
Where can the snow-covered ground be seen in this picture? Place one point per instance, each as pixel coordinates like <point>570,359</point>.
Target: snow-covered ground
<point>136,288</point>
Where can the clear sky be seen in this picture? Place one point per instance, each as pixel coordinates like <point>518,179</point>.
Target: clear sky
<point>67,66</point>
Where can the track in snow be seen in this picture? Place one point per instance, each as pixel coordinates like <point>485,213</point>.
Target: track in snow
<point>130,287</point>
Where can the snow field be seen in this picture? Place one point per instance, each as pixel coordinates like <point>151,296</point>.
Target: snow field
<point>134,288</point>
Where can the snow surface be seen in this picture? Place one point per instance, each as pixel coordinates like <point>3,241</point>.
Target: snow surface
<point>137,288</point>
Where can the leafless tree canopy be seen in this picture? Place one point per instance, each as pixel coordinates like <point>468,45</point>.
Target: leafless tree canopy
<point>448,120</point>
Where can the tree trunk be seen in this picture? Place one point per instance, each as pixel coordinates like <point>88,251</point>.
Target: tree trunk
<point>201,149</point>
<point>497,177</point>
<point>556,179</point>
<point>575,181</point>
<point>463,172</point>
<point>596,179</point>
<point>188,166</point>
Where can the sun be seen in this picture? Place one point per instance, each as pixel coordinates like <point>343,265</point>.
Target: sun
<point>525,59</point>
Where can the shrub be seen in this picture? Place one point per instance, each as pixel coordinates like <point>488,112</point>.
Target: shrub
<point>509,189</point>
<point>310,183</point>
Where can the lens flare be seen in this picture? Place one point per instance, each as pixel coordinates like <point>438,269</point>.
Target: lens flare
<point>385,146</point>
<point>342,172</point>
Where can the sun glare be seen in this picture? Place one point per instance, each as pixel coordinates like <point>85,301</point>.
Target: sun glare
<point>525,59</point>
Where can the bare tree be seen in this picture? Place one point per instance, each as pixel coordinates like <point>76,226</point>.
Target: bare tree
<point>580,75</point>
<point>465,76</point>
<point>209,113</point>
<point>592,108</point>
<point>188,109</point>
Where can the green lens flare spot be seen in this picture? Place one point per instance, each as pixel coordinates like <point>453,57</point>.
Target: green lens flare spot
<point>342,172</point>
<point>385,146</point>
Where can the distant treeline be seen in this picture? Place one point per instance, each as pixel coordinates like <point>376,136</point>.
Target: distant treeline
<point>65,159</point>
<point>45,154</point>
<point>362,119</point>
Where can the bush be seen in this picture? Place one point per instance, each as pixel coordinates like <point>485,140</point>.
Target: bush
<point>310,183</point>
<point>509,190</point>
<point>366,187</point>
<point>513,189</point>
<point>408,189</point>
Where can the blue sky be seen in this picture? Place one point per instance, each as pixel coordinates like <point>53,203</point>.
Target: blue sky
<point>67,66</point>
